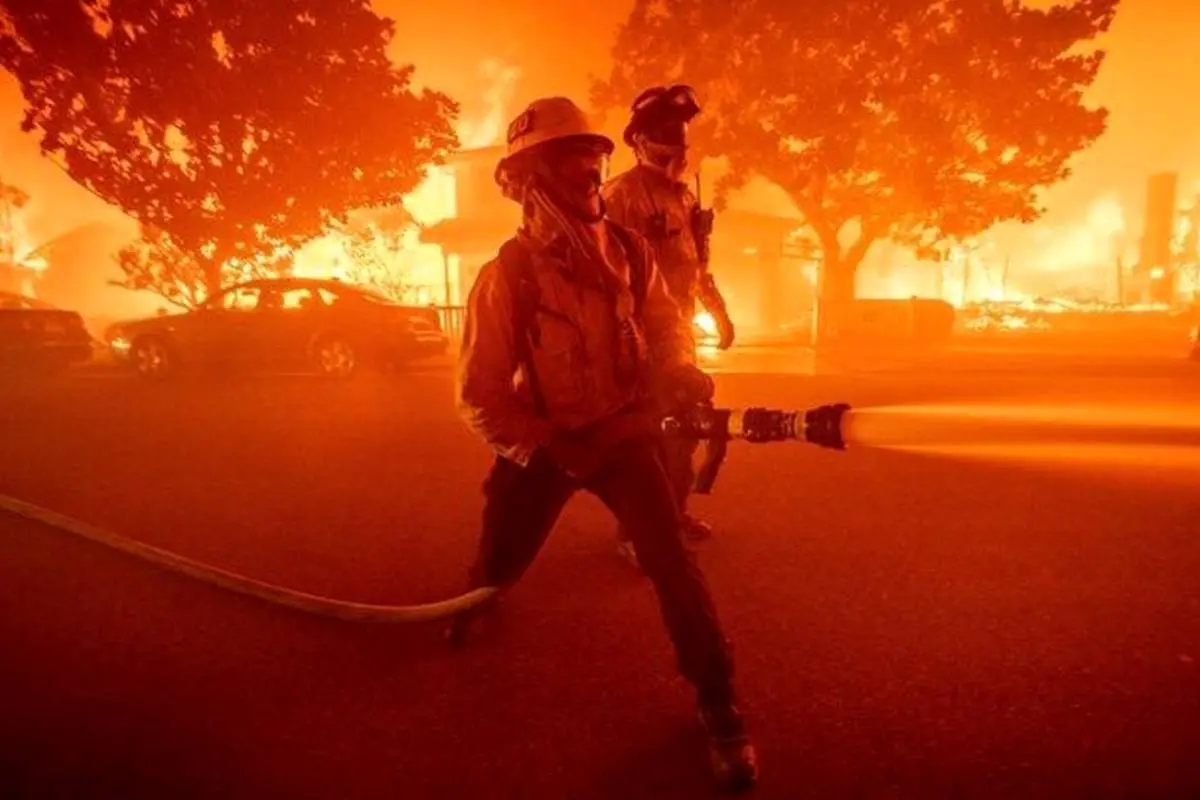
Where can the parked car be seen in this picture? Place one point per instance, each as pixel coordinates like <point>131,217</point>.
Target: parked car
<point>36,336</point>
<point>334,328</point>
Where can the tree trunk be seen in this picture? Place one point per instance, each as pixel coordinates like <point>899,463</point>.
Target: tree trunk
<point>835,299</point>
<point>839,266</point>
<point>212,280</point>
<point>214,271</point>
<point>772,295</point>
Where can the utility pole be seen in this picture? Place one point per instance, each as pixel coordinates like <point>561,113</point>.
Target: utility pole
<point>1120,281</point>
<point>1119,261</point>
<point>7,246</point>
<point>966,277</point>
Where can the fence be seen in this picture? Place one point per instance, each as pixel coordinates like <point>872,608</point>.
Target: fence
<point>451,319</point>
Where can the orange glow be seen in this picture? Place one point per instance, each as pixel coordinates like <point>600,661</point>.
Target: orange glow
<point>705,322</point>
<point>26,259</point>
<point>23,248</point>
<point>1012,263</point>
<point>1104,196</point>
<point>488,129</point>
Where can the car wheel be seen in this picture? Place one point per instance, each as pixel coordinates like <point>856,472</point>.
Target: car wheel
<point>336,357</point>
<point>151,357</point>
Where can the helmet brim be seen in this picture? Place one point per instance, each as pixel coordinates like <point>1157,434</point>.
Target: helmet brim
<point>648,119</point>
<point>606,144</point>
<point>627,136</point>
<point>603,142</point>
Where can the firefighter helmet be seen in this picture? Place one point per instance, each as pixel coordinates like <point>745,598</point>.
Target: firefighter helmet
<point>548,120</point>
<point>661,105</point>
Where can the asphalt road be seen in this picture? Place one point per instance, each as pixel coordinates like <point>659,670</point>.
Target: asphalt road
<point>908,624</point>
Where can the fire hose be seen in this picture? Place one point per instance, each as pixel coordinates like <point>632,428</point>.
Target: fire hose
<point>231,581</point>
<point>821,426</point>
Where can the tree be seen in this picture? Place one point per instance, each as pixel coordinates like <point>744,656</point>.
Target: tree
<point>156,264</point>
<point>374,246</point>
<point>234,127</point>
<point>918,121</point>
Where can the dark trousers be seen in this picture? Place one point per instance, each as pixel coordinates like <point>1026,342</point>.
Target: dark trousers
<point>679,459</point>
<point>523,504</point>
<point>679,455</point>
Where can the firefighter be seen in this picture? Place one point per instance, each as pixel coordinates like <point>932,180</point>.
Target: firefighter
<point>653,199</point>
<point>560,330</point>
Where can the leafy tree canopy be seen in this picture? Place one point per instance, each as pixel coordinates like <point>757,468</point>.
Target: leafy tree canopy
<point>918,121</point>
<point>234,127</point>
<point>154,263</point>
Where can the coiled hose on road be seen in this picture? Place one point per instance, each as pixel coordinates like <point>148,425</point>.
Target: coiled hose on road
<point>231,581</point>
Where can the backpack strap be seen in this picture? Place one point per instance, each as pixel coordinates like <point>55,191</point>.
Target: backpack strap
<point>516,269</point>
<point>639,269</point>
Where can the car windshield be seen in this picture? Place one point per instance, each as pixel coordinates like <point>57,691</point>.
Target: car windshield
<point>373,296</point>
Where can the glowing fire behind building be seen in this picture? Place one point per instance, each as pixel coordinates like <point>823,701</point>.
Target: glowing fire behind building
<point>423,271</point>
<point>760,257</point>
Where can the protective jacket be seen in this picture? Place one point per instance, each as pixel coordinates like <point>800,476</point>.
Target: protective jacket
<point>660,208</point>
<point>591,342</point>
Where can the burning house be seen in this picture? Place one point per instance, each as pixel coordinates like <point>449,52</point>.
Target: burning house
<point>480,221</point>
<point>1167,269</point>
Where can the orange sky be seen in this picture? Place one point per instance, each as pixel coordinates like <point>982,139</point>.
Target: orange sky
<point>1150,83</point>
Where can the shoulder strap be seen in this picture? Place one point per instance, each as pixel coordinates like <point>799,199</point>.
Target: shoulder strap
<point>516,269</point>
<point>639,277</point>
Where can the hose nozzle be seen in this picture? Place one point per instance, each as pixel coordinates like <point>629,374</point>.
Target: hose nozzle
<point>824,426</point>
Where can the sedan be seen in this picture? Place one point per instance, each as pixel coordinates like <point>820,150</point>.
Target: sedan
<point>330,327</point>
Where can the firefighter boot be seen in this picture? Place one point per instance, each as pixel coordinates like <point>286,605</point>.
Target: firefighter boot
<point>732,756</point>
<point>695,530</point>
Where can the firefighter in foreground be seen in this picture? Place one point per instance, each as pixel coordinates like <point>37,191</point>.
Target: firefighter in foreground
<point>653,199</point>
<point>559,335</point>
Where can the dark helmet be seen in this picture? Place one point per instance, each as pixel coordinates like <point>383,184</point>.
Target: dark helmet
<point>662,107</point>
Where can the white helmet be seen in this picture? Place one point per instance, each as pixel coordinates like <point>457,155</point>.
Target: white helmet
<point>548,120</point>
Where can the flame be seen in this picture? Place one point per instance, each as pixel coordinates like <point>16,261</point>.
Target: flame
<point>25,264</point>
<point>707,325</point>
<point>1092,244</point>
<point>436,199</point>
<point>1042,257</point>
<point>16,240</point>
<point>489,129</point>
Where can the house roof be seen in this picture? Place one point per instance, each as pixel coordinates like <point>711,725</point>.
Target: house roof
<point>470,233</point>
<point>492,153</point>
